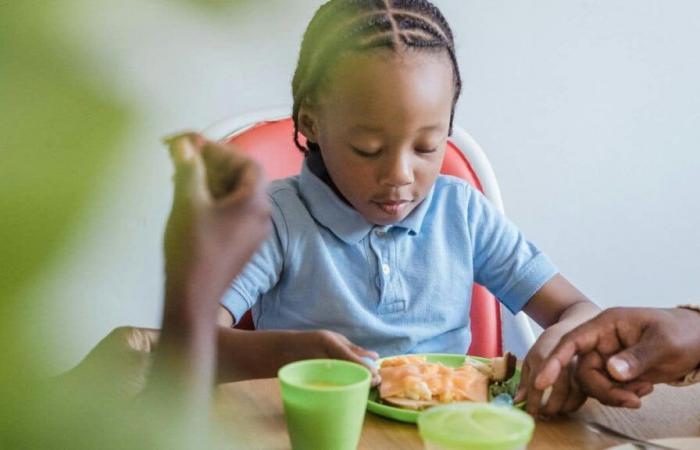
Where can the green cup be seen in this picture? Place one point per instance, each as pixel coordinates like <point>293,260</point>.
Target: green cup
<point>475,426</point>
<point>324,403</point>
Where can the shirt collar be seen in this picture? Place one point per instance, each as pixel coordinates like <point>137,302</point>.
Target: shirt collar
<point>342,219</point>
<point>414,221</point>
<point>330,210</point>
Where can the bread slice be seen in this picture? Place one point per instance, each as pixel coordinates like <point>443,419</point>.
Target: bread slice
<point>407,403</point>
<point>497,369</point>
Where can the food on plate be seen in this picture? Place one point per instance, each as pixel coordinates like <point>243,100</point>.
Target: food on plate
<point>414,383</point>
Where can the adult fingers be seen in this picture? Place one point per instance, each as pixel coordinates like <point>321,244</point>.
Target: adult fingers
<point>596,383</point>
<point>639,388</point>
<point>189,168</point>
<point>635,360</point>
<point>226,168</point>
<point>246,187</point>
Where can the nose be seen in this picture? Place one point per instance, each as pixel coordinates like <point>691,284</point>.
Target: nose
<point>397,170</point>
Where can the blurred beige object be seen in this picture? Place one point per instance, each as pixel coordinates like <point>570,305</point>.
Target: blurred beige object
<point>118,365</point>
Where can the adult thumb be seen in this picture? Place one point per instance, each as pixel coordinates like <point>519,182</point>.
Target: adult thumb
<point>633,361</point>
<point>189,167</point>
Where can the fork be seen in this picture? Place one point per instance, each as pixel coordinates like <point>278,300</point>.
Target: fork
<point>639,443</point>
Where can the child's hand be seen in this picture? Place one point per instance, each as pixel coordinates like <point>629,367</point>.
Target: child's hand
<point>219,217</point>
<point>565,395</point>
<point>329,344</point>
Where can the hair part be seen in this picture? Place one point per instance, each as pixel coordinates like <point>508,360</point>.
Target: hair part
<point>341,26</point>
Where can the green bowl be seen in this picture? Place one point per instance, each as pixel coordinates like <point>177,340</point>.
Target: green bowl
<point>475,426</point>
<point>375,406</point>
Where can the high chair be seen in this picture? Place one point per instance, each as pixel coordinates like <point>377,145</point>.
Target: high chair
<point>266,136</point>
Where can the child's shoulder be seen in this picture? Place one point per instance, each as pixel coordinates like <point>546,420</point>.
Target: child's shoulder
<point>446,185</point>
<point>452,195</point>
<point>284,186</point>
<point>285,192</point>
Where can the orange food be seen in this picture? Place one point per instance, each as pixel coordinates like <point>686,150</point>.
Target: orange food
<point>413,378</point>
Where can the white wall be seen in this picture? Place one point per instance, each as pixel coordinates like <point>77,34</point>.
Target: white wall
<point>589,111</point>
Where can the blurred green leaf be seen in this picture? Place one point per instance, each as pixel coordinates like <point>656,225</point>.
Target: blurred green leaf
<point>58,130</point>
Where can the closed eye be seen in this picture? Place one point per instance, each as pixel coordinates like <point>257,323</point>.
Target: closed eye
<point>424,151</point>
<point>365,153</point>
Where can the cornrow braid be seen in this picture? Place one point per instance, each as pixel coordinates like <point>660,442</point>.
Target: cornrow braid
<point>340,26</point>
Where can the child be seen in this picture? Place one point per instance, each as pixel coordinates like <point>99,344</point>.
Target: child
<point>369,241</point>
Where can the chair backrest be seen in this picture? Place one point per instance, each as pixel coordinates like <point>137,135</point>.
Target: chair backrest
<point>267,138</point>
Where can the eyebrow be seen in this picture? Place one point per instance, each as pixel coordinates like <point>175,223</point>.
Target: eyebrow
<point>434,127</point>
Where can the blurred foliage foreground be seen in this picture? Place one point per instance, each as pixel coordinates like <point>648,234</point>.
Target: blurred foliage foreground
<point>58,130</point>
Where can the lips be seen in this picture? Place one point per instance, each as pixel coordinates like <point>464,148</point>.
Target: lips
<point>392,207</point>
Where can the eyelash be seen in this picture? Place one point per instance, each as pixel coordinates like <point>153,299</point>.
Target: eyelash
<point>366,154</point>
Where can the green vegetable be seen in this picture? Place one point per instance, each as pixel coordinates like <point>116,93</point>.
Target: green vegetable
<point>509,386</point>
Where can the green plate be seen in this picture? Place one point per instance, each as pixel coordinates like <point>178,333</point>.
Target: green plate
<point>411,416</point>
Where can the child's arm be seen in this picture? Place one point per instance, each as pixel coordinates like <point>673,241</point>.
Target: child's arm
<point>559,303</point>
<point>524,279</point>
<point>260,354</point>
<point>558,307</point>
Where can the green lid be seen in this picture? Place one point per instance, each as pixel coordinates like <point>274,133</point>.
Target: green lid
<point>476,426</point>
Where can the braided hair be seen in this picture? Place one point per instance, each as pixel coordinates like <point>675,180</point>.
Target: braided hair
<point>361,25</point>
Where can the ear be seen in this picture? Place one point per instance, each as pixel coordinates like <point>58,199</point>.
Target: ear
<point>308,122</point>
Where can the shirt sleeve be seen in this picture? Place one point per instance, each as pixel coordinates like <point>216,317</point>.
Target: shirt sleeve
<point>506,263</point>
<point>261,273</point>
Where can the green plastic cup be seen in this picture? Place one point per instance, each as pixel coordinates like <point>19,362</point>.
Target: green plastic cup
<point>475,426</point>
<point>324,403</point>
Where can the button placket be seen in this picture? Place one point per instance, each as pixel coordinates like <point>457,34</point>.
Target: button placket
<point>383,245</point>
<point>383,254</point>
<point>378,278</point>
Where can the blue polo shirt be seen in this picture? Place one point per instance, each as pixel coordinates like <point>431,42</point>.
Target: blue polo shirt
<point>402,288</point>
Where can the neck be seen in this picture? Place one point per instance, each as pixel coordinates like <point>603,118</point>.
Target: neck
<point>317,166</point>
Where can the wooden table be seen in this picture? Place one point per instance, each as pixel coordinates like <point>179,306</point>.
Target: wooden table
<point>252,410</point>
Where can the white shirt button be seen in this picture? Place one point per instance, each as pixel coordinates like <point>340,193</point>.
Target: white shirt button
<point>380,233</point>
<point>386,269</point>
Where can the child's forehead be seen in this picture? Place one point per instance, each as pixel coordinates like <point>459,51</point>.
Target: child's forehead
<point>372,73</point>
<point>385,58</point>
<point>386,82</point>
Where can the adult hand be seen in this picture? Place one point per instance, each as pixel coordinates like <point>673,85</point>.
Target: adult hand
<point>219,217</point>
<point>628,350</point>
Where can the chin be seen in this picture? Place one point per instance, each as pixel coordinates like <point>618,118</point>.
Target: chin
<point>384,222</point>
<point>385,219</point>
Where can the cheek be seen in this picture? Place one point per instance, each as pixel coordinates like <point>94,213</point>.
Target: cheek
<point>353,177</point>
<point>427,173</point>
<point>347,172</point>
